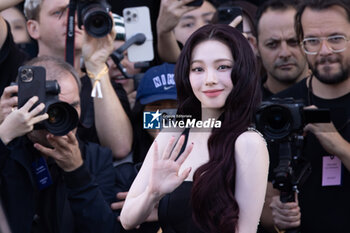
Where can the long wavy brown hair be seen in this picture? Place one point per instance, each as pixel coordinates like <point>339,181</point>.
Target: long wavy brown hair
<point>215,208</point>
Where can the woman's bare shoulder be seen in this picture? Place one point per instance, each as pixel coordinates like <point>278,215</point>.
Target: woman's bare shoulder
<point>249,146</point>
<point>250,138</point>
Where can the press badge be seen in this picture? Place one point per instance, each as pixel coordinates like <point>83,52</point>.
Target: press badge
<point>42,173</point>
<point>331,171</point>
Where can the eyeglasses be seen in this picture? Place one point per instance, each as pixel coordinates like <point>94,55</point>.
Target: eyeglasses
<point>335,43</point>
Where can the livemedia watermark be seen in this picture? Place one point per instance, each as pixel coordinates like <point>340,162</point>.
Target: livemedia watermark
<point>163,120</point>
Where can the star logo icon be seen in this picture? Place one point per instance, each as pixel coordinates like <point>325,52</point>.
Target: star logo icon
<point>151,120</point>
<point>155,115</point>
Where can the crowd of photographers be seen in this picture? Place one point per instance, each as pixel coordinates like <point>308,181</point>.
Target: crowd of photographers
<point>61,174</point>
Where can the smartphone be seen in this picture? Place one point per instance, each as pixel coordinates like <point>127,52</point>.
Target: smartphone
<point>31,82</point>
<point>226,14</point>
<point>317,115</point>
<point>137,20</point>
<point>195,3</point>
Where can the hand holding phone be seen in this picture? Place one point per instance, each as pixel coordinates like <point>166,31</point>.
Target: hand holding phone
<point>22,121</point>
<point>31,82</point>
<point>227,14</point>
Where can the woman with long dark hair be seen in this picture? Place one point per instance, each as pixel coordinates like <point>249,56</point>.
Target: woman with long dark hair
<point>218,183</point>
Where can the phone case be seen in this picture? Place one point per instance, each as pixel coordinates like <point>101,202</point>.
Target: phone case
<point>227,14</point>
<point>137,20</point>
<point>31,82</point>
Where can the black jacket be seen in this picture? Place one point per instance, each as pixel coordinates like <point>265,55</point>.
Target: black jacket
<point>81,198</point>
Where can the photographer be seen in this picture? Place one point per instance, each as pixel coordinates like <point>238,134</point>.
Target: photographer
<point>322,204</point>
<point>103,120</point>
<point>53,183</point>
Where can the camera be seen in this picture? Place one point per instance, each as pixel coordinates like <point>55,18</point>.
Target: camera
<point>62,116</point>
<point>32,82</point>
<point>279,119</point>
<point>94,15</point>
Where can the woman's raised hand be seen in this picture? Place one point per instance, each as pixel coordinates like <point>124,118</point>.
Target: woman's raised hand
<point>165,176</point>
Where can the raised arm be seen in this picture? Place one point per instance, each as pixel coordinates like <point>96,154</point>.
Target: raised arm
<point>112,124</point>
<point>252,163</point>
<point>157,177</point>
<point>169,15</point>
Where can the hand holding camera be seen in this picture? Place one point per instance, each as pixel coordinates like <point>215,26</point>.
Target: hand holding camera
<point>22,121</point>
<point>65,151</point>
<point>32,82</point>
<point>285,215</point>
<point>96,51</point>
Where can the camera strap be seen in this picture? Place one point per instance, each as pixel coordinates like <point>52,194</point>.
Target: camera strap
<point>69,53</point>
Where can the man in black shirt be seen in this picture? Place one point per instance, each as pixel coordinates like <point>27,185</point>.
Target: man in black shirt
<point>322,204</point>
<point>278,46</point>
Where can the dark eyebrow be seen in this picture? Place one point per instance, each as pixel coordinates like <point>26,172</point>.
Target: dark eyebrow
<point>272,40</point>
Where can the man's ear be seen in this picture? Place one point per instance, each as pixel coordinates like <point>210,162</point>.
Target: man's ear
<point>33,29</point>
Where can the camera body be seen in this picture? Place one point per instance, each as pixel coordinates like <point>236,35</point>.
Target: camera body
<point>32,82</point>
<point>94,15</point>
<point>279,118</point>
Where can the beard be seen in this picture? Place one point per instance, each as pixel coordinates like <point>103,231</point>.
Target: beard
<point>339,77</point>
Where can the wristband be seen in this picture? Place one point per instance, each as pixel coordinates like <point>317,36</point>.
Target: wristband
<point>96,87</point>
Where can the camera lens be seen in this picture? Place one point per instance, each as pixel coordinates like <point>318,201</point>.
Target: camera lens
<point>55,115</point>
<point>276,121</point>
<point>97,21</point>
<point>62,118</point>
<point>26,75</point>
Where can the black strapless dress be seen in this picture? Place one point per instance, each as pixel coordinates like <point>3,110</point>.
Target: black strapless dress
<point>175,212</point>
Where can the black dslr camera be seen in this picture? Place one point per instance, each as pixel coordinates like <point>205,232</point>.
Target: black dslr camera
<point>280,119</point>
<point>32,82</point>
<point>94,15</point>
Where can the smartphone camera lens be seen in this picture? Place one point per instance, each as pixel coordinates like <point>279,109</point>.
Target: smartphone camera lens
<point>27,75</point>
